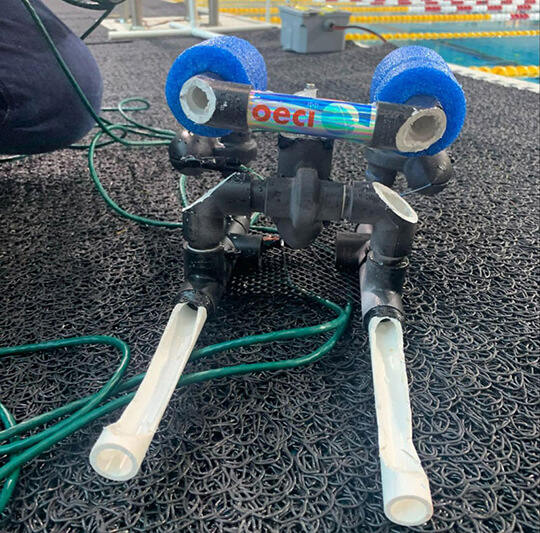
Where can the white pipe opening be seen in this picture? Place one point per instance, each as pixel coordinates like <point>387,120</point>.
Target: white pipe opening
<point>198,100</point>
<point>406,493</point>
<point>422,129</point>
<point>121,447</point>
<point>396,203</point>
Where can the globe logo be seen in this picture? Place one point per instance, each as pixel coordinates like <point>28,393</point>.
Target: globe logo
<point>339,119</point>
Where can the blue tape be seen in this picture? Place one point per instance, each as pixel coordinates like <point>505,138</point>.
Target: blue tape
<point>230,58</point>
<point>413,71</point>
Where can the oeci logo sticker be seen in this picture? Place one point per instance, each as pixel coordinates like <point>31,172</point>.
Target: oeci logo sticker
<point>300,114</point>
<point>283,116</point>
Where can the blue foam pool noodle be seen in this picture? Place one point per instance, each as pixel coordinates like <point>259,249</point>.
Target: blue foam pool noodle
<point>415,70</point>
<point>230,58</point>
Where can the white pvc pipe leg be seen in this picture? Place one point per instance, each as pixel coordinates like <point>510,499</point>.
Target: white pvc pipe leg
<point>406,493</point>
<point>121,447</point>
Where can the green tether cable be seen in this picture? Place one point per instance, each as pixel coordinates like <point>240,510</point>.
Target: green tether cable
<point>100,19</point>
<point>207,351</point>
<point>58,431</point>
<point>162,136</point>
<point>113,205</point>
<point>89,412</point>
<point>83,411</point>
<point>95,400</point>
<point>11,478</point>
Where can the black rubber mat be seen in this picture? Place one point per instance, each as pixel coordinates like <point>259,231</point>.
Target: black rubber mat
<point>289,451</point>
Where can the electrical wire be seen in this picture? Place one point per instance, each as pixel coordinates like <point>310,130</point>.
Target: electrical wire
<point>104,126</point>
<point>414,191</point>
<point>12,158</point>
<point>96,5</point>
<point>99,20</point>
<point>11,479</point>
<point>86,410</point>
<point>110,202</point>
<point>75,415</point>
<point>363,28</point>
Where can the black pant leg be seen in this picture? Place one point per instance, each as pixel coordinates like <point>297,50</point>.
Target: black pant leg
<point>39,109</point>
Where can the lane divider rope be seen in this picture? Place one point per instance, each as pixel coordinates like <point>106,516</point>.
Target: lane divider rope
<point>429,36</point>
<point>512,71</point>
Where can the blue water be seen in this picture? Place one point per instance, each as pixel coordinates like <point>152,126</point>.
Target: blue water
<point>475,51</point>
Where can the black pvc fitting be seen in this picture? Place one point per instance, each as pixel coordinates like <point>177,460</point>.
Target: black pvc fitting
<point>237,146</point>
<point>381,287</point>
<point>426,174</point>
<point>300,151</point>
<point>207,272</point>
<point>299,205</point>
<point>393,220</point>
<point>205,219</point>
<point>232,101</point>
<point>352,248</point>
<point>249,248</point>
<point>384,158</point>
<point>193,154</point>
<point>390,118</point>
<point>230,104</point>
<point>383,165</point>
<point>393,227</point>
<point>187,151</point>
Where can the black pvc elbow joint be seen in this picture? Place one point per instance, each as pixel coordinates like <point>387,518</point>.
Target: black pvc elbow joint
<point>206,276</point>
<point>383,270</point>
<point>211,232</point>
<point>381,287</point>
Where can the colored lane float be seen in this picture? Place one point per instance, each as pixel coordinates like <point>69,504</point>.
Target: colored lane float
<point>512,71</point>
<point>258,7</point>
<point>419,19</point>
<point>494,13</point>
<point>479,17</point>
<point>430,36</point>
<point>415,10</point>
<point>414,7</point>
<point>404,3</point>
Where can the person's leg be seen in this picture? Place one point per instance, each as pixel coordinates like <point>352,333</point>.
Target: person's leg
<point>39,109</point>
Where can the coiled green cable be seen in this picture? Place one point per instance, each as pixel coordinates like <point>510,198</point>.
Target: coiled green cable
<point>85,410</point>
<point>82,412</point>
<point>11,481</point>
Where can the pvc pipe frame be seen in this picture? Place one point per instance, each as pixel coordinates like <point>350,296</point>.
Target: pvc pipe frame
<point>305,115</point>
<point>216,103</point>
<point>122,446</point>
<point>406,493</point>
<point>193,14</point>
<point>183,30</point>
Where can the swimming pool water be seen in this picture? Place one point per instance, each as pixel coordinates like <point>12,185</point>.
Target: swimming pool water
<point>476,52</point>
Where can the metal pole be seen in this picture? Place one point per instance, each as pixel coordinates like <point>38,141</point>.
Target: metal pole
<point>136,13</point>
<point>213,12</point>
<point>268,5</point>
<point>193,16</point>
<point>124,12</point>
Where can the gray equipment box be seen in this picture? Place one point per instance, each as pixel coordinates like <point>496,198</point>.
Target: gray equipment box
<point>307,30</point>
